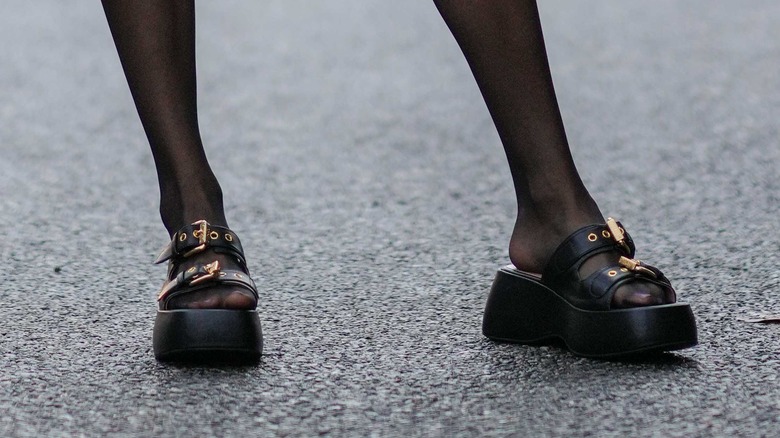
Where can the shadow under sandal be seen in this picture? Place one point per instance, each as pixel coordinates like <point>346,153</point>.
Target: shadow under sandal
<point>205,335</point>
<point>527,308</point>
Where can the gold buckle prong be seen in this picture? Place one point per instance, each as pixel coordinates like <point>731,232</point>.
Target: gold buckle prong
<point>202,232</point>
<point>617,233</point>
<point>212,271</point>
<point>635,266</point>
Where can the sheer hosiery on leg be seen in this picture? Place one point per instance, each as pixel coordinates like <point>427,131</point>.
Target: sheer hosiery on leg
<point>503,44</point>
<point>156,45</point>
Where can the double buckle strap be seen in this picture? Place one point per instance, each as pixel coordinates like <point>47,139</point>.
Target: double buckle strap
<point>634,265</point>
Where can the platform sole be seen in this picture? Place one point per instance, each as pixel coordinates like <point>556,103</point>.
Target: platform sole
<point>207,335</point>
<point>520,309</point>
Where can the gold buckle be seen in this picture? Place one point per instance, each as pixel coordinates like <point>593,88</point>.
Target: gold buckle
<point>202,234</point>
<point>618,234</point>
<point>212,271</point>
<point>635,266</point>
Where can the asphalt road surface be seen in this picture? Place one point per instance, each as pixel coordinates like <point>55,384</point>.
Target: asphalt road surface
<point>370,190</point>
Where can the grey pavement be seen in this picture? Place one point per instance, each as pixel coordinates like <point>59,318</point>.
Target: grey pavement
<point>363,174</point>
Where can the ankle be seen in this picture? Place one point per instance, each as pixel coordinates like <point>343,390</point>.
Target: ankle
<point>178,209</point>
<point>539,229</point>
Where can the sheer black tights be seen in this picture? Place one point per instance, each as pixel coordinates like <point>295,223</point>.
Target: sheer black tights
<point>503,44</point>
<point>156,45</point>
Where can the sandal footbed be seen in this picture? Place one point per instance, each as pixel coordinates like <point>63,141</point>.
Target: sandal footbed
<point>207,335</point>
<point>521,309</point>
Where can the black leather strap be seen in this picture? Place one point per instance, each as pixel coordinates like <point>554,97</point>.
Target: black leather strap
<point>596,291</point>
<point>190,280</point>
<point>190,237</point>
<point>582,244</point>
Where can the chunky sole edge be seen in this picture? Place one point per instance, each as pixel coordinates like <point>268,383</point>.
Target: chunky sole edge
<point>520,309</point>
<point>207,336</point>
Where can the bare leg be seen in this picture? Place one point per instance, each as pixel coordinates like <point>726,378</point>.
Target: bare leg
<point>156,44</point>
<point>503,44</point>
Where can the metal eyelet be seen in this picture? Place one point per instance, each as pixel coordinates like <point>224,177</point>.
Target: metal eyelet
<point>239,276</point>
<point>182,237</point>
<point>228,237</point>
<point>623,270</point>
<point>592,237</point>
<point>214,235</point>
<point>612,273</point>
<point>606,234</point>
<point>192,269</point>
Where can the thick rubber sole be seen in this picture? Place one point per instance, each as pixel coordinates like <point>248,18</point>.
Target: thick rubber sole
<point>520,309</point>
<point>207,335</point>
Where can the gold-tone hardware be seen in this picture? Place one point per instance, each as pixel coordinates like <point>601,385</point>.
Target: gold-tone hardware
<point>606,234</point>
<point>628,263</point>
<point>202,232</point>
<point>192,269</point>
<point>635,266</point>
<point>182,237</point>
<point>612,273</point>
<point>214,235</point>
<point>228,237</point>
<point>623,270</point>
<point>592,237</point>
<point>239,276</point>
<point>212,271</point>
<point>212,267</point>
<point>195,250</point>
<point>618,233</point>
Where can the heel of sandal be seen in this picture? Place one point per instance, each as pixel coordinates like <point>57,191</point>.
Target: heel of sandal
<point>208,335</point>
<point>519,309</point>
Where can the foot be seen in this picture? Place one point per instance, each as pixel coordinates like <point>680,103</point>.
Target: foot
<point>218,296</point>
<point>533,243</point>
<point>225,284</point>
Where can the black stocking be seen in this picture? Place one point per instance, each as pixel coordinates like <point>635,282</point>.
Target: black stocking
<point>156,45</point>
<point>503,44</point>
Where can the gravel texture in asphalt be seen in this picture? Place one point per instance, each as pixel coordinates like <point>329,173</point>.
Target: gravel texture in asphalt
<point>364,176</point>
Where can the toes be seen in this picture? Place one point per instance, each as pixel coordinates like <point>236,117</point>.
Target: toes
<point>638,295</point>
<point>211,302</point>
<point>217,295</point>
<point>238,301</point>
<point>214,299</point>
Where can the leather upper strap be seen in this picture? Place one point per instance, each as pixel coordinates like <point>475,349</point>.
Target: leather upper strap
<point>201,276</point>
<point>193,239</point>
<point>584,243</point>
<point>596,291</point>
<point>198,236</point>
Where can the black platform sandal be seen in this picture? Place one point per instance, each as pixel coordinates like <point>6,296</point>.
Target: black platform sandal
<point>205,335</point>
<point>527,308</point>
